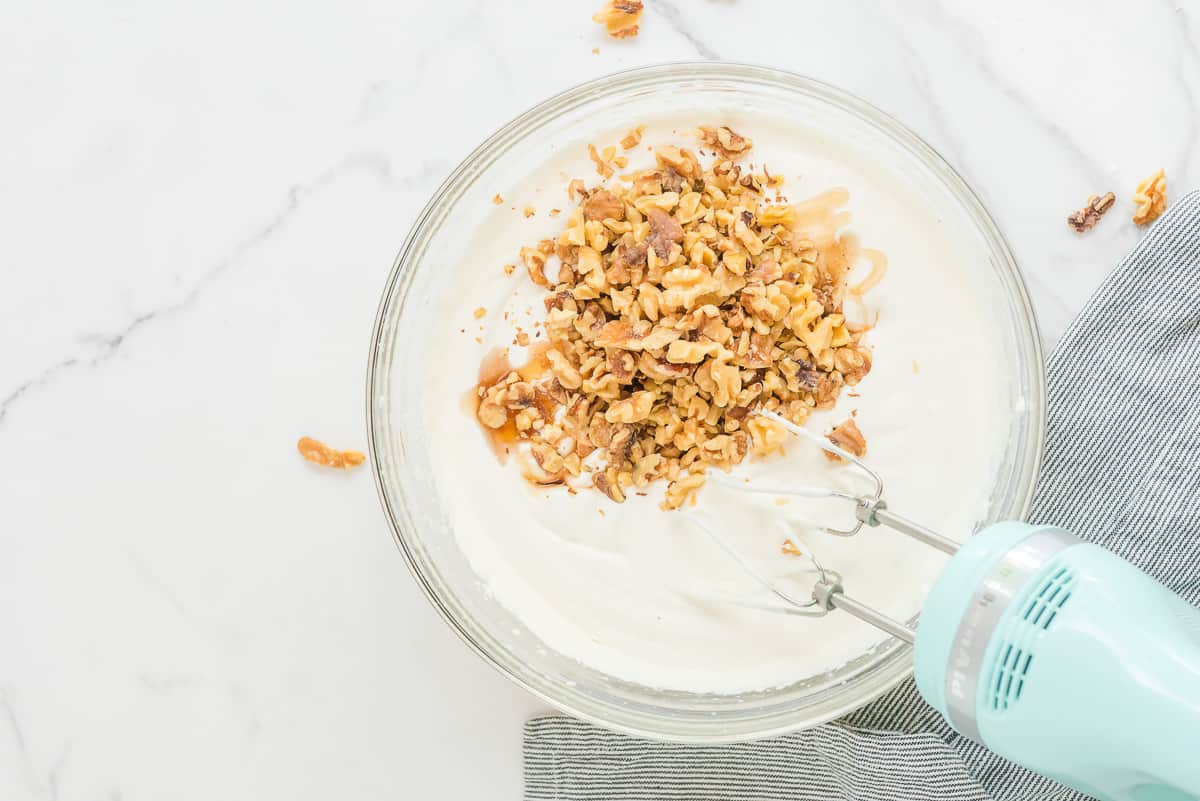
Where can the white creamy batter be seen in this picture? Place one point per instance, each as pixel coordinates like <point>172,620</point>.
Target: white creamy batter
<point>642,594</point>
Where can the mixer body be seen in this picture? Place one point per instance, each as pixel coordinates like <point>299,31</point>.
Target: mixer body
<point>1068,660</point>
<point>1052,652</point>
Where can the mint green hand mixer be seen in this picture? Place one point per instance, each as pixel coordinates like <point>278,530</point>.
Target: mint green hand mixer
<point>1048,650</point>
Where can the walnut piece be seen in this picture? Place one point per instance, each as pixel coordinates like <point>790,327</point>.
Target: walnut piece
<point>607,482</point>
<point>847,436</point>
<point>680,301</point>
<point>722,139</point>
<point>603,205</point>
<point>620,18</point>
<point>1086,218</point>
<point>664,232</point>
<point>602,162</point>
<point>1150,197</point>
<point>766,435</point>
<point>320,453</point>
<point>681,489</point>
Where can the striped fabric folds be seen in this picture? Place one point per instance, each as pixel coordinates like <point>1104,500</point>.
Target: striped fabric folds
<point>1122,469</point>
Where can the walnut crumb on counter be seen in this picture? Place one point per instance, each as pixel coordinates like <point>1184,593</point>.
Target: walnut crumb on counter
<point>320,453</point>
<point>1086,218</point>
<point>620,18</point>
<point>1150,197</point>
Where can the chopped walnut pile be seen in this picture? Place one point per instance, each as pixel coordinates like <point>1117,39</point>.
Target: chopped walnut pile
<point>620,18</point>
<point>320,453</point>
<point>1150,197</point>
<point>679,301</point>
<point>1086,218</point>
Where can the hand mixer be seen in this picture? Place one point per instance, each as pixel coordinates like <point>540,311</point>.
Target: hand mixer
<point>1048,650</point>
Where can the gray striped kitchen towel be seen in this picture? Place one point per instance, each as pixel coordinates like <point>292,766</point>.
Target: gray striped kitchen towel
<point>1121,469</point>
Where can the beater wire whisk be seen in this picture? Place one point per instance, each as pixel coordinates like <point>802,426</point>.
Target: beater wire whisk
<point>870,509</point>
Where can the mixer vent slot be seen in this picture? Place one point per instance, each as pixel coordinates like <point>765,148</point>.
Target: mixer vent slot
<point>1010,678</point>
<point>1016,655</point>
<point>1044,605</point>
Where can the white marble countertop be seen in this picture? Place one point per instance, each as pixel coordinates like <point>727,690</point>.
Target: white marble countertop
<point>200,204</point>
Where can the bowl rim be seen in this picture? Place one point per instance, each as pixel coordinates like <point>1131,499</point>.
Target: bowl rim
<point>493,146</point>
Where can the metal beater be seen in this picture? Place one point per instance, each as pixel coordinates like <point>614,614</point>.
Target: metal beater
<point>870,509</point>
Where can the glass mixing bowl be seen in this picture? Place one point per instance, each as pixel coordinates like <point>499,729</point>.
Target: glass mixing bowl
<point>400,446</point>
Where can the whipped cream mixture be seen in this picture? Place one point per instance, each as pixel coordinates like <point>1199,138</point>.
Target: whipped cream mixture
<point>643,594</point>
